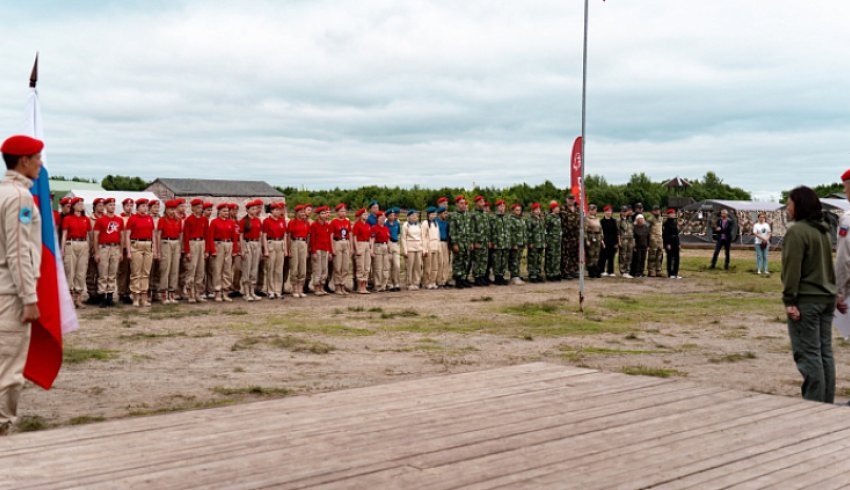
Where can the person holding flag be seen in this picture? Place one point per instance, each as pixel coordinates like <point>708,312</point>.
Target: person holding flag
<point>20,263</point>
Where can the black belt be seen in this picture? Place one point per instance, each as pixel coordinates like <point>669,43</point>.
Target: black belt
<point>251,240</point>
<point>77,239</point>
<point>170,240</point>
<point>299,239</point>
<point>444,239</point>
<point>197,239</point>
<point>222,241</point>
<point>394,241</point>
<point>340,239</point>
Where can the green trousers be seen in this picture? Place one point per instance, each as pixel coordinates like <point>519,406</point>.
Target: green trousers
<point>460,263</point>
<point>811,344</point>
<point>479,261</point>
<point>515,261</point>
<point>535,263</point>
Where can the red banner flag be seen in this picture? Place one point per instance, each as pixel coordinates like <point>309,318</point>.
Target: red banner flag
<point>576,181</point>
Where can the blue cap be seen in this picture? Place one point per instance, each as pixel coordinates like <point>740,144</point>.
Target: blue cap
<point>411,211</point>
<point>441,209</point>
<point>430,209</point>
<point>372,203</point>
<point>393,210</point>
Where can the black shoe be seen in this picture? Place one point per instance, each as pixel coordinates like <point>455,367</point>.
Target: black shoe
<point>109,300</point>
<point>126,299</point>
<point>102,303</point>
<point>466,283</point>
<point>459,284</point>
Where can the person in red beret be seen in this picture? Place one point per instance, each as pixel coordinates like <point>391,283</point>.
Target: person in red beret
<point>195,251</point>
<point>107,233</point>
<point>274,244</point>
<point>250,228</point>
<point>90,295</point>
<point>342,250</point>
<point>362,234</point>
<point>461,242</point>
<point>169,238</point>
<point>517,227</point>
<point>221,245</point>
<point>127,210</point>
<point>20,249</point>
<point>139,237</point>
<point>536,237</point>
<point>75,248</point>
<point>554,233</point>
<point>842,251</point>
<point>481,241</point>
<point>321,249</point>
<point>299,230</point>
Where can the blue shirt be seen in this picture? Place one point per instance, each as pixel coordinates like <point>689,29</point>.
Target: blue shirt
<point>444,229</point>
<point>395,229</point>
<point>372,219</point>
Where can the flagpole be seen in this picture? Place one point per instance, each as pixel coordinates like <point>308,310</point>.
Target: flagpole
<point>581,203</point>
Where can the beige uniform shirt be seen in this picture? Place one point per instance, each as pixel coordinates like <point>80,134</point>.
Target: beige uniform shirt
<point>20,238</point>
<point>842,256</point>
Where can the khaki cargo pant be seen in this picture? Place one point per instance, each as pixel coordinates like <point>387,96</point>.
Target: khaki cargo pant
<point>414,268</point>
<point>298,263</point>
<point>342,264</point>
<point>381,266</point>
<point>363,260</point>
<point>320,268</point>
<point>123,274</point>
<point>655,255</point>
<point>222,264</point>
<point>108,259</point>
<point>430,267</point>
<point>76,260</point>
<point>14,344</point>
<point>395,264</point>
<point>195,268</point>
<point>444,266</point>
<point>274,266</point>
<point>251,265</point>
<point>140,266</point>
<point>169,265</point>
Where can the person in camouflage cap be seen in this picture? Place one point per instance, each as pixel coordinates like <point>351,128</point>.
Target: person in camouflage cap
<point>593,241</point>
<point>571,226</point>
<point>500,235</point>
<point>480,226</point>
<point>460,242</point>
<point>536,236</point>
<point>626,229</point>
<point>655,253</point>
<point>554,232</point>
<point>517,229</point>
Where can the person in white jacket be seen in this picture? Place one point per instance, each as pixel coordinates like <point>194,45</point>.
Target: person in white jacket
<point>431,245</point>
<point>412,246</point>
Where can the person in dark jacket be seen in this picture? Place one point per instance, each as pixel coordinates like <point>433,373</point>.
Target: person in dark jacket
<point>670,237</point>
<point>610,238</point>
<point>641,246</point>
<point>724,233</point>
<point>809,293</point>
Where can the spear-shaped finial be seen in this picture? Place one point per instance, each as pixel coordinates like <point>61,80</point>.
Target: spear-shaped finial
<point>34,74</point>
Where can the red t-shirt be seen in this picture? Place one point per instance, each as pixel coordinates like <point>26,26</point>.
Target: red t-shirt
<point>254,232</point>
<point>194,227</point>
<point>381,233</point>
<point>141,227</point>
<point>362,231</point>
<point>298,228</point>
<point>220,230</point>
<point>274,228</point>
<point>77,226</point>
<point>320,237</point>
<point>340,228</point>
<point>109,229</point>
<point>170,228</point>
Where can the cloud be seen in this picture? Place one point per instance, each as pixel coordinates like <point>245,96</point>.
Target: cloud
<point>324,94</point>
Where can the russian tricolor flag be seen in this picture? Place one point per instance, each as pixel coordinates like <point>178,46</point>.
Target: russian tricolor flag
<point>58,316</point>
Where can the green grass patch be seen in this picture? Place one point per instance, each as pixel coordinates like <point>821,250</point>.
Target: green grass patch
<point>406,313</point>
<point>332,330</point>
<point>287,342</point>
<point>482,299</point>
<point>651,371</point>
<point>735,357</point>
<point>356,309</point>
<point>71,355</point>
<point>531,309</point>
<point>31,423</point>
<point>152,335</point>
<point>577,353</point>
<point>86,419</point>
<point>253,390</point>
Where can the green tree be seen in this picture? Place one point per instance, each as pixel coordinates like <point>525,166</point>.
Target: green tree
<point>123,183</point>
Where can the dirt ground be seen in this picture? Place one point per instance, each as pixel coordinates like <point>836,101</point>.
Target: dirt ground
<point>713,327</point>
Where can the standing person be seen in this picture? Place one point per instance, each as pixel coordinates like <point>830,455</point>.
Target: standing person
<point>394,249</point>
<point>762,232</point>
<point>153,283</point>
<point>308,277</point>
<point>518,241</point>
<point>90,295</point>
<point>444,268</point>
<point>124,266</point>
<point>724,233</point>
<point>139,239</point>
<point>235,270</point>
<point>671,244</point>
<point>809,293</point>
<point>554,240</point>
<point>593,241</point>
<point>491,245</point>
<point>430,249</point>
<point>655,253</point>
<point>169,238</point>
<point>480,241</point>
<point>626,233</point>
<point>362,233</point>
<point>638,210</point>
<point>20,250</point>
<point>64,210</point>
<point>251,228</point>
<point>610,241</point>
<point>321,249</point>
<point>220,244</point>
<point>195,251</point>
<point>412,246</point>
<point>500,239</point>
<point>461,242</point>
<point>342,250</point>
<point>75,249</point>
<point>108,230</point>
<point>641,234</point>
<point>380,253</point>
<point>536,233</point>
<point>571,228</point>
<point>274,244</point>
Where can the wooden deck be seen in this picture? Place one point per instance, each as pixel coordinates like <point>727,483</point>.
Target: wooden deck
<point>530,426</point>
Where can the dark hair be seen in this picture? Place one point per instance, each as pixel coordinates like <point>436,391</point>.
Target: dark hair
<point>11,161</point>
<point>806,204</point>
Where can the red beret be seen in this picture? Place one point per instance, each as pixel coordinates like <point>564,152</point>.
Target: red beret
<point>359,212</point>
<point>196,202</point>
<point>76,200</point>
<point>459,198</point>
<point>232,205</point>
<point>321,209</point>
<point>442,199</point>
<point>223,205</point>
<point>97,200</point>
<point>128,200</point>
<point>845,176</point>
<point>516,205</point>
<point>553,205</point>
<point>379,213</point>
<point>152,202</point>
<point>478,198</point>
<point>608,208</point>
<point>171,204</point>
<point>65,200</point>
<point>308,205</point>
<point>300,207</point>
<point>141,201</point>
<point>339,206</point>
<point>180,201</point>
<point>671,210</point>
<point>277,205</point>
<point>500,202</point>
<point>535,205</point>
<point>207,205</point>
<point>109,200</point>
<point>21,146</point>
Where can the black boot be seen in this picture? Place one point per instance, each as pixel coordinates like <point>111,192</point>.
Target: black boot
<point>110,301</point>
<point>102,302</point>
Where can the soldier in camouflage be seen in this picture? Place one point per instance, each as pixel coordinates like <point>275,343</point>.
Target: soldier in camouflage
<point>656,242</point>
<point>571,226</point>
<point>516,227</point>
<point>500,235</point>
<point>491,248</point>
<point>460,242</point>
<point>593,241</point>
<point>554,239</point>
<point>626,230</point>
<point>480,225</point>
<point>536,236</point>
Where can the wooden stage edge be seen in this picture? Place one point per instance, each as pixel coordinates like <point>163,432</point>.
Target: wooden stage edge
<point>526,426</point>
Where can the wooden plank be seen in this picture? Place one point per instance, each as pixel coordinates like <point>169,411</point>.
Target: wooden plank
<point>803,475</point>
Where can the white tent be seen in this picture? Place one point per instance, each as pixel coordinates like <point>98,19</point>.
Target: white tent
<point>119,196</point>
<point>835,204</point>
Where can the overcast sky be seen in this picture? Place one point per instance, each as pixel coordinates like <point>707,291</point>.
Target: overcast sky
<point>345,93</point>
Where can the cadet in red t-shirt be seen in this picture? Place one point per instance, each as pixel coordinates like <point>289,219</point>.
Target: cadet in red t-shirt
<point>107,239</point>
<point>169,242</point>
<point>342,250</point>
<point>75,249</point>
<point>381,253</point>
<point>362,233</point>
<point>274,249</point>
<point>299,230</point>
<point>320,249</point>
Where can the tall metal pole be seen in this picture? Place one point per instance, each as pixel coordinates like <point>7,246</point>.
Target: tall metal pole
<point>581,259</point>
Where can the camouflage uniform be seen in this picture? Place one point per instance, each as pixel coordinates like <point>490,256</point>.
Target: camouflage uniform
<point>571,225</point>
<point>500,236</point>
<point>480,231</point>
<point>516,227</point>
<point>554,238</point>
<point>626,228</point>
<point>536,234</point>
<point>656,245</point>
<point>460,234</point>
<point>491,248</point>
<point>593,240</point>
